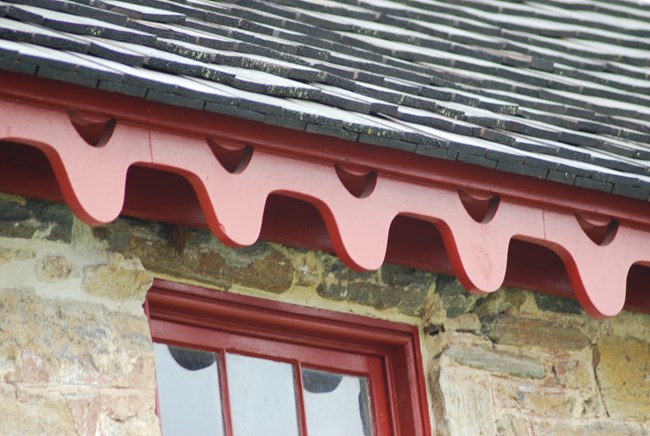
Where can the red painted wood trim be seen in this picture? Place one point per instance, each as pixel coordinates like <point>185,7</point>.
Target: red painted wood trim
<point>225,393</point>
<point>177,309</point>
<point>92,180</point>
<point>300,401</point>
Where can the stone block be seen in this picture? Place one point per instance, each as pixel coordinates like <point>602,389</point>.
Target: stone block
<point>34,412</point>
<point>504,300</point>
<point>392,286</point>
<point>120,279</point>
<point>574,371</point>
<point>84,406</point>
<point>202,258</point>
<point>308,267</point>
<point>26,218</point>
<point>9,254</point>
<point>566,427</point>
<point>127,412</point>
<point>630,325</point>
<point>495,361</point>
<point>271,272</point>
<point>54,268</point>
<point>468,322</point>
<point>457,300</point>
<point>462,404</point>
<point>532,399</point>
<point>509,425</point>
<point>552,303</point>
<point>551,403</point>
<point>535,333</point>
<point>623,371</point>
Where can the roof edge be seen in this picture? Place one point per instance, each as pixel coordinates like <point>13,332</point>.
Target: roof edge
<point>91,139</point>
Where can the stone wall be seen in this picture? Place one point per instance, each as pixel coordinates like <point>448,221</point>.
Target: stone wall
<point>75,349</point>
<point>78,351</point>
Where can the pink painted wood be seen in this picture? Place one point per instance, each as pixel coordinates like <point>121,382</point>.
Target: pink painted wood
<point>93,179</point>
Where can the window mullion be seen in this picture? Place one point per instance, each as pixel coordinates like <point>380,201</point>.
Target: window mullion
<point>302,419</point>
<point>225,396</point>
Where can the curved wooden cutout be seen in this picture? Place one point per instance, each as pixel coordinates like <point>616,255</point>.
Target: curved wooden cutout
<point>95,130</point>
<point>92,181</point>
<point>481,207</point>
<point>234,158</point>
<point>600,231</point>
<point>360,183</point>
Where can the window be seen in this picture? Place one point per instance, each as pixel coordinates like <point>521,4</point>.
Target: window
<point>237,366</point>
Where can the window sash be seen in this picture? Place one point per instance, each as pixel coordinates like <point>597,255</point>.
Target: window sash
<point>394,348</point>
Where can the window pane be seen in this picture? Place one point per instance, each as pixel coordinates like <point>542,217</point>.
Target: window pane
<point>262,397</point>
<point>336,404</point>
<point>188,391</point>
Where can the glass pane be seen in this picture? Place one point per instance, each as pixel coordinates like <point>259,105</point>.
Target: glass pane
<point>188,391</point>
<point>262,397</point>
<point>336,404</point>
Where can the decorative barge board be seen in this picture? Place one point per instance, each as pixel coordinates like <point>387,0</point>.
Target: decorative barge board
<point>106,154</point>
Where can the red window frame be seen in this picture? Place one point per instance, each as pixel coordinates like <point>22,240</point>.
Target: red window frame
<point>387,353</point>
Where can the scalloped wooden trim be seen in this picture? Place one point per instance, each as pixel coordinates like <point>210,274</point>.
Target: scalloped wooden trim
<point>92,180</point>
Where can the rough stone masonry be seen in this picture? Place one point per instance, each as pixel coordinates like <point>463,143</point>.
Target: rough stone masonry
<point>76,354</point>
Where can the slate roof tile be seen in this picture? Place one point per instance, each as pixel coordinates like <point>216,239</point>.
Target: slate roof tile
<point>548,88</point>
<point>140,12</point>
<point>77,24</point>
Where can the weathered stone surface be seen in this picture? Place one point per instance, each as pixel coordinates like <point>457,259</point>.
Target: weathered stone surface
<point>552,303</point>
<point>120,279</point>
<point>568,427</point>
<point>457,300</point>
<point>47,342</point>
<point>53,268</point>
<point>76,411</point>
<point>9,254</point>
<point>509,425</point>
<point>502,301</point>
<point>623,371</point>
<point>259,267</point>
<point>553,404</point>
<point>25,218</point>
<point>34,412</point>
<point>532,399</point>
<point>462,404</point>
<point>308,267</point>
<point>99,365</point>
<point>574,371</point>
<point>84,405</point>
<point>468,322</point>
<point>391,287</point>
<point>270,272</point>
<point>202,258</point>
<point>535,333</point>
<point>631,325</point>
<point>127,412</point>
<point>496,361</point>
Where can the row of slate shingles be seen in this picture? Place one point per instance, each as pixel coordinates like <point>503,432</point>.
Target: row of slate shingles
<point>172,89</point>
<point>614,160</point>
<point>370,139</point>
<point>612,92</point>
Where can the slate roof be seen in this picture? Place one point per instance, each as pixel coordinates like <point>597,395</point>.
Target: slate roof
<point>553,89</point>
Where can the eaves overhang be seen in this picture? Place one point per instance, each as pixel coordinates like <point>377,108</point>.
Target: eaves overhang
<point>106,154</point>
